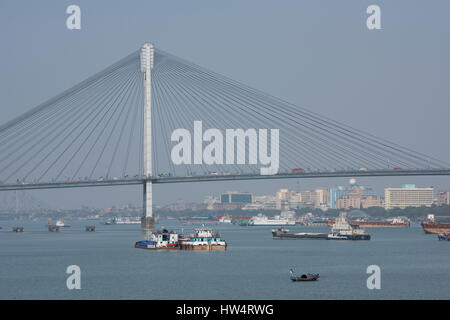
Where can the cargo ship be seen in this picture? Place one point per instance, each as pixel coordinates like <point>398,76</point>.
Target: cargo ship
<point>241,220</point>
<point>388,223</point>
<point>436,225</point>
<point>341,230</point>
<point>201,239</point>
<point>261,220</point>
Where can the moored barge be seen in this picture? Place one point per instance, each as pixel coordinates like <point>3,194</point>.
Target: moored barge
<point>203,239</point>
<point>436,225</point>
<point>341,230</point>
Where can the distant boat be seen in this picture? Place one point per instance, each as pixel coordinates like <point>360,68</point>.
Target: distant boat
<point>262,220</point>
<point>61,224</point>
<point>303,277</point>
<point>444,236</point>
<point>124,220</point>
<point>436,224</point>
<point>341,230</point>
<point>225,219</point>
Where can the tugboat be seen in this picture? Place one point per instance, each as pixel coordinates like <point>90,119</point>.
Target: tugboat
<point>342,230</point>
<point>303,277</point>
<point>160,240</point>
<point>203,239</point>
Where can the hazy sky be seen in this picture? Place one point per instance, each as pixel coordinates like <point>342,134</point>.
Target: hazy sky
<point>393,82</point>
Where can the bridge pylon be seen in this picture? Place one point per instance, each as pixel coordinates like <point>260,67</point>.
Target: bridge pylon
<point>147,58</point>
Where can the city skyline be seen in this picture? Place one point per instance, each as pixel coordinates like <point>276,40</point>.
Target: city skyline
<point>439,197</point>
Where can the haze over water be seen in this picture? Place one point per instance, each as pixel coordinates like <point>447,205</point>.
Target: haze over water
<point>33,264</point>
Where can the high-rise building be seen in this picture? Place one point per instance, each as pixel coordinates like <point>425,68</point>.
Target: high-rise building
<point>371,201</point>
<point>283,197</point>
<point>443,198</point>
<point>335,194</point>
<point>321,197</point>
<point>348,202</point>
<point>358,197</point>
<point>408,196</point>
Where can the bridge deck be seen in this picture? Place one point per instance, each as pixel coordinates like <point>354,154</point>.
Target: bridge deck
<point>209,178</point>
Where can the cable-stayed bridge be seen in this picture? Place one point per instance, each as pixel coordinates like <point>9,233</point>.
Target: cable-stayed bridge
<point>117,128</point>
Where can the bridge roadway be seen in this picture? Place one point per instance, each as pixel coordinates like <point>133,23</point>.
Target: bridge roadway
<point>218,177</point>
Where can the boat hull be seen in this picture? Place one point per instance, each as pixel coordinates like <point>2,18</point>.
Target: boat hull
<point>375,224</point>
<point>312,277</point>
<point>299,236</point>
<point>154,247</point>
<point>435,227</point>
<point>280,235</point>
<point>351,237</point>
<point>203,247</point>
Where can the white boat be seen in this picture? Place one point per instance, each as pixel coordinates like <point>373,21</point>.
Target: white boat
<point>262,220</point>
<point>225,219</point>
<point>61,224</point>
<point>203,239</point>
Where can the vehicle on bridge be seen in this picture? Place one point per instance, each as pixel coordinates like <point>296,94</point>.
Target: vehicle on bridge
<point>165,175</point>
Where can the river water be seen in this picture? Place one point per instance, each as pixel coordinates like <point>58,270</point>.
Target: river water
<point>33,264</point>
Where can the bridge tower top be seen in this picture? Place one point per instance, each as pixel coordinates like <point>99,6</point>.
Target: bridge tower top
<point>147,53</point>
<point>147,57</point>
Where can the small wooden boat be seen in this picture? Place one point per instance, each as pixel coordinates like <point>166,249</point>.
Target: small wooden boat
<point>303,277</point>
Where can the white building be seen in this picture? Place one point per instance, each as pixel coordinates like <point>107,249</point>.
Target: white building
<point>408,196</point>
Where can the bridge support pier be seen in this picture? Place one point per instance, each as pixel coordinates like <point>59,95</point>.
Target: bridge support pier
<point>147,221</point>
<point>147,55</point>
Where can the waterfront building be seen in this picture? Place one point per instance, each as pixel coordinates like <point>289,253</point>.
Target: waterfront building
<point>408,196</point>
<point>443,198</point>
